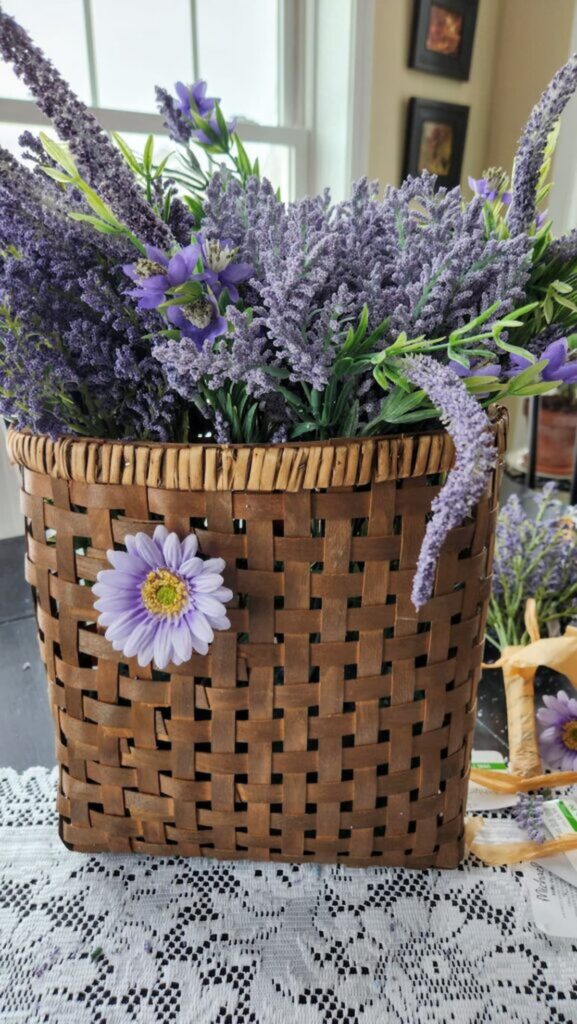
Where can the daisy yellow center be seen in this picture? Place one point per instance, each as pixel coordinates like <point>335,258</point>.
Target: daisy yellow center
<point>164,593</point>
<point>198,313</point>
<point>570,735</point>
<point>148,268</point>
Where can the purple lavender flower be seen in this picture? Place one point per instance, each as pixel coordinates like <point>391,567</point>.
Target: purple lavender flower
<point>558,367</point>
<point>158,272</point>
<point>97,158</point>
<point>198,319</point>
<point>558,731</point>
<point>160,601</point>
<point>72,355</point>
<point>564,249</point>
<point>220,270</point>
<point>535,557</point>
<point>532,145</point>
<point>528,813</point>
<point>475,452</point>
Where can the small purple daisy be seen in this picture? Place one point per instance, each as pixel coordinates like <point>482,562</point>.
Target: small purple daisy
<point>156,273</point>
<point>161,601</point>
<point>558,732</point>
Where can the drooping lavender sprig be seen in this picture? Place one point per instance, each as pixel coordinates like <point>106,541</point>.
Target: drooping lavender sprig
<point>99,161</point>
<point>475,457</point>
<point>532,145</point>
<point>528,813</point>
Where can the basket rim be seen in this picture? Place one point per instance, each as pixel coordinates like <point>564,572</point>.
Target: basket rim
<point>290,465</point>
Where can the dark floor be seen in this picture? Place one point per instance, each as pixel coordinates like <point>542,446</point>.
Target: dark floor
<point>26,736</point>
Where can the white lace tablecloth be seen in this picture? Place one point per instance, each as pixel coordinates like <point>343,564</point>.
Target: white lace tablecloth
<point>114,940</point>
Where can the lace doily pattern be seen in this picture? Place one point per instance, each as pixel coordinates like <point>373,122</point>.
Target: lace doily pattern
<point>117,940</point>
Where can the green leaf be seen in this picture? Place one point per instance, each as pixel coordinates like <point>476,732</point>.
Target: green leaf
<point>561,286</point>
<point>303,428</point>
<point>148,154</point>
<point>127,153</point>
<point>398,403</point>
<point>59,154</point>
<point>537,389</point>
<point>515,349</point>
<point>527,376</point>
<point>244,164</point>
<point>99,225</point>
<point>161,166</point>
<point>60,176</point>
<point>567,303</point>
<point>96,204</point>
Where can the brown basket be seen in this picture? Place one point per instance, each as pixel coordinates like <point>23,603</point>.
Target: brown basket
<point>332,723</point>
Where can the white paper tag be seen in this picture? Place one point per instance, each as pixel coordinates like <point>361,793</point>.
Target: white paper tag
<point>553,902</point>
<point>480,798</point>
<point>560,817</point>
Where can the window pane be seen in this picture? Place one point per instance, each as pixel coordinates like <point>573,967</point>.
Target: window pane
<point>162,145</point>
<point>275,164</point>
<point>58,28</point>
<point>140,44</point>
<point>10,133</point>
<point>238,56</point>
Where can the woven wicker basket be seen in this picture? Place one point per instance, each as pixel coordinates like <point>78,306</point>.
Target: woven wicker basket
<point>332,723</point>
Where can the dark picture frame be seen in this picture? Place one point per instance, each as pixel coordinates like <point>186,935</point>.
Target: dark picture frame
<point>435,139</point>
<point>442,37</point>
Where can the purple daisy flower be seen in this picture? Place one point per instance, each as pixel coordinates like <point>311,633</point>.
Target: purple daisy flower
<point>558,731</point>
<point>156,273</point>
<point>558,368</point>
<point>220,269</point>
<point>160,601</point>
<point>193,99</point>
<point>198,319</point>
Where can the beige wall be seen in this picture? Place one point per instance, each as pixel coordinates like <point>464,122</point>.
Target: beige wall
<point>518,46</point>
<point>533,40</point>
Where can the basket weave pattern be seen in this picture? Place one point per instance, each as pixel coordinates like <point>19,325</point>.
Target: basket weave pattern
<point>332,722</point>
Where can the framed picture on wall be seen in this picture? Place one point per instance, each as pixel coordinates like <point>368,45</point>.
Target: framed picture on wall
<point>442,37</point>
<point>435,139</point>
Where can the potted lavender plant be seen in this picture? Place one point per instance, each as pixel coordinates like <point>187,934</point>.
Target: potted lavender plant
<point>235,419</point>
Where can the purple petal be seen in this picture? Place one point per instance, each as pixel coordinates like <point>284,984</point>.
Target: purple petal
<point>549,716</point>
<point>126,562</point>
<point>140,638</point>
<point>191,568</point>
<point>156,255</point>
<point>556,353</point>
<point>200,626</point>
<point>214,565</point>
<point>207,582</point>
<point>208,605</point>
<point>189,546</point>
<point>148,550</point>
<point>162,644</point>
<point>237,272</point>
<point>160,534</point>
<point>182,642</point>
<point>223,594</point>
<point>171,551</point>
